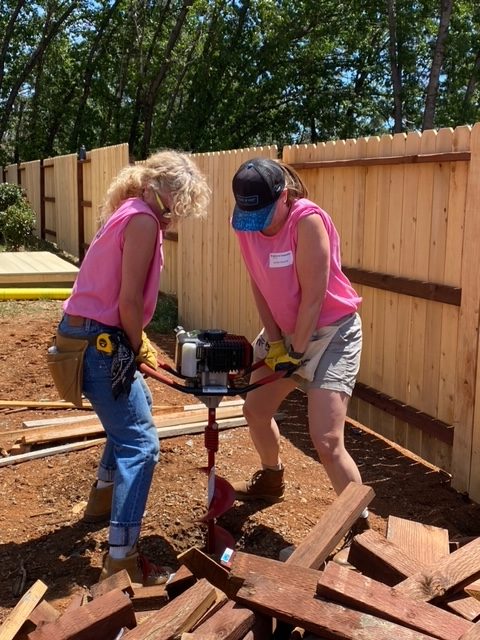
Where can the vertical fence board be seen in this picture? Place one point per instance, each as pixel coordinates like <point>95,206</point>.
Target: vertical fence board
<point>405,303</point>
<point>66,202</point>
<point>31,184</point>
<point>466,446</point>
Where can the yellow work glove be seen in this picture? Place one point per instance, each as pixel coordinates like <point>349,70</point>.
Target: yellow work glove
<point>289,362</point>
<point>147,353</point>
<point>276,349</point>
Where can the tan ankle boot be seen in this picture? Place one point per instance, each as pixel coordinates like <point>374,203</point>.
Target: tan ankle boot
<point>99,504</point>
<point>140,570</point>
<point>265,484</point>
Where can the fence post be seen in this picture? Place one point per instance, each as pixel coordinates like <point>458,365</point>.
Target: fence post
<point>80,208</point>
<point>42,200</point>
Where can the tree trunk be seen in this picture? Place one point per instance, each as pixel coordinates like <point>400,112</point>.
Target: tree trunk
<point>437,64</point>
<point>395,71</point>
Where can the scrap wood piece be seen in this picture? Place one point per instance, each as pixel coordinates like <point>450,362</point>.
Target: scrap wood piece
<point>179,615</point>
<point>351,589</point>
<point>439,578</point>
<point>153,597</point>
<point>51,451</point>
<point>473,589</point>
<point>202,566</point>
<point>378,558</point>
<point>324,618</point>
<point>231,622</point>
<point>180,581</point>
<point>43,404</point>
<point>422,542</point>
<point>43,613</point>
<point>120,580</point>
<point>473,633</point>
<point>332,526</point>
<point>465,606</point>
<point>103,617</point>
<point>288,574</point>
<point>22,610</point>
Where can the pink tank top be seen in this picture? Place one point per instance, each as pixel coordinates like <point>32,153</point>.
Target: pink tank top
<point>270,260</point>
<point>97,287</point>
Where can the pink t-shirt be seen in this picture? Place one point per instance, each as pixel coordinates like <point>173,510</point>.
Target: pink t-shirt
<point>270,261</point>
<point>97,286</point>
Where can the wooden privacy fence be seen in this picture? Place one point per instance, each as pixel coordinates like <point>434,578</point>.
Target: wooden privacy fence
<point>406,207</point>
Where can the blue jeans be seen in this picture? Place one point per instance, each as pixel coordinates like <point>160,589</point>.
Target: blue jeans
<point>132,447</point>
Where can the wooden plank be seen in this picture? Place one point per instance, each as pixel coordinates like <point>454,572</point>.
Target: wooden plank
<point>100,618</point>
<point>473,633</point>
<point>43,404</point>
<point>332,526</point>
<point>180,581</point>
<point>177,616</point>
<point>22,610</point>
<point>88,429</point>
<point>150,598</point>
<point>203,567</point>
<point>286,573</point>
<point>380,559</point>
<point>50,451</point>
<point>448,572</point>
<point>231,622</point>
<point>120,580</point>
<point>326,619</point>
<point>353,590</point>
<point>422,542</point>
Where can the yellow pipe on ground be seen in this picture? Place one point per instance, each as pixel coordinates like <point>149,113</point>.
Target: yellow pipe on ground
<point>25,293</point>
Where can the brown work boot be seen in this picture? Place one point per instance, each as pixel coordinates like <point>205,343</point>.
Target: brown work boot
<point>265,484</point>
<point>140,570</point>
<point>99,504</point>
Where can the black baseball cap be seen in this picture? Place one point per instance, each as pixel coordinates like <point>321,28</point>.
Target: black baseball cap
<point>257,186</point>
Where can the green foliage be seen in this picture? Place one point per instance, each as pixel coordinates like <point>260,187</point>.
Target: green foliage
<point>10,194</point>
<point>165,318</point>
<point>17,218</point>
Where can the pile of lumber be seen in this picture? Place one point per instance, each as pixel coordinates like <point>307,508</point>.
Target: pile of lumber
<point>50,436</point>
<point>412,584</point>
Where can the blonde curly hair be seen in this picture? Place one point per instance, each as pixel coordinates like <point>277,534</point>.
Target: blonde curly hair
<point>165,171</point>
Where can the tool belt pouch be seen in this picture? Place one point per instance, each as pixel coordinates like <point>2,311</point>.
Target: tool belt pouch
<point>65,362</point>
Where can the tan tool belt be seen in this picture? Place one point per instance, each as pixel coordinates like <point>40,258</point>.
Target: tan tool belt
<point>65,362</point>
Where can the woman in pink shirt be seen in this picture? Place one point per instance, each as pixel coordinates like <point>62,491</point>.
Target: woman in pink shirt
<point>112,301</point>
<point>311,328</point>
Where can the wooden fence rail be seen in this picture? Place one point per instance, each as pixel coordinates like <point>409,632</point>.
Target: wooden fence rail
<point>406,207</point>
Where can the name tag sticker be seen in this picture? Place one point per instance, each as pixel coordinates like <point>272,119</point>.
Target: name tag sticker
<point>283,259</point>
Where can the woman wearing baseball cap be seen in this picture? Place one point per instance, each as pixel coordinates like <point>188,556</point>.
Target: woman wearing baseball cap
<point>311,328</point>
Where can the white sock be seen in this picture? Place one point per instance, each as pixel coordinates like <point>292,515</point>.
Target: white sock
<point>101,484</point>
<point>277,467</point>
<point>119,552</point>
<point>364,513</point>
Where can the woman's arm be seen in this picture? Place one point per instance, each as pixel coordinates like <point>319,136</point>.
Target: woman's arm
<point>271,328</point>
<point>139,245</point>
<point>312,261</point>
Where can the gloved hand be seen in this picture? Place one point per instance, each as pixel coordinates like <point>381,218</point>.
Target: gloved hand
<point>147,353</point>
<point>275,351</point>
<point>289,362</point>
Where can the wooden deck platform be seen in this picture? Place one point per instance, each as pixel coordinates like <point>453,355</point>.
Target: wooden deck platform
<point>35,269</point>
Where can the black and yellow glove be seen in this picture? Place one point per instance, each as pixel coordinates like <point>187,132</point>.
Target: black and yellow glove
<point>147,353</point>
<point>276,349</point>
<point>289,362</point>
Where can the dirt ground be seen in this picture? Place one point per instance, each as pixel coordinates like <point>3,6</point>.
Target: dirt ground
<point>41,501</point>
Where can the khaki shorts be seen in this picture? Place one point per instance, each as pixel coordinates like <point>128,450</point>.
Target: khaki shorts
<point>339,365</point>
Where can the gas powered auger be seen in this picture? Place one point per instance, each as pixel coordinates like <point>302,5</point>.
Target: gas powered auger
<point>209,362</point>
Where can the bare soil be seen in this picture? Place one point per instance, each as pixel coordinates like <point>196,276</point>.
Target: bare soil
<point>41,501</point>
